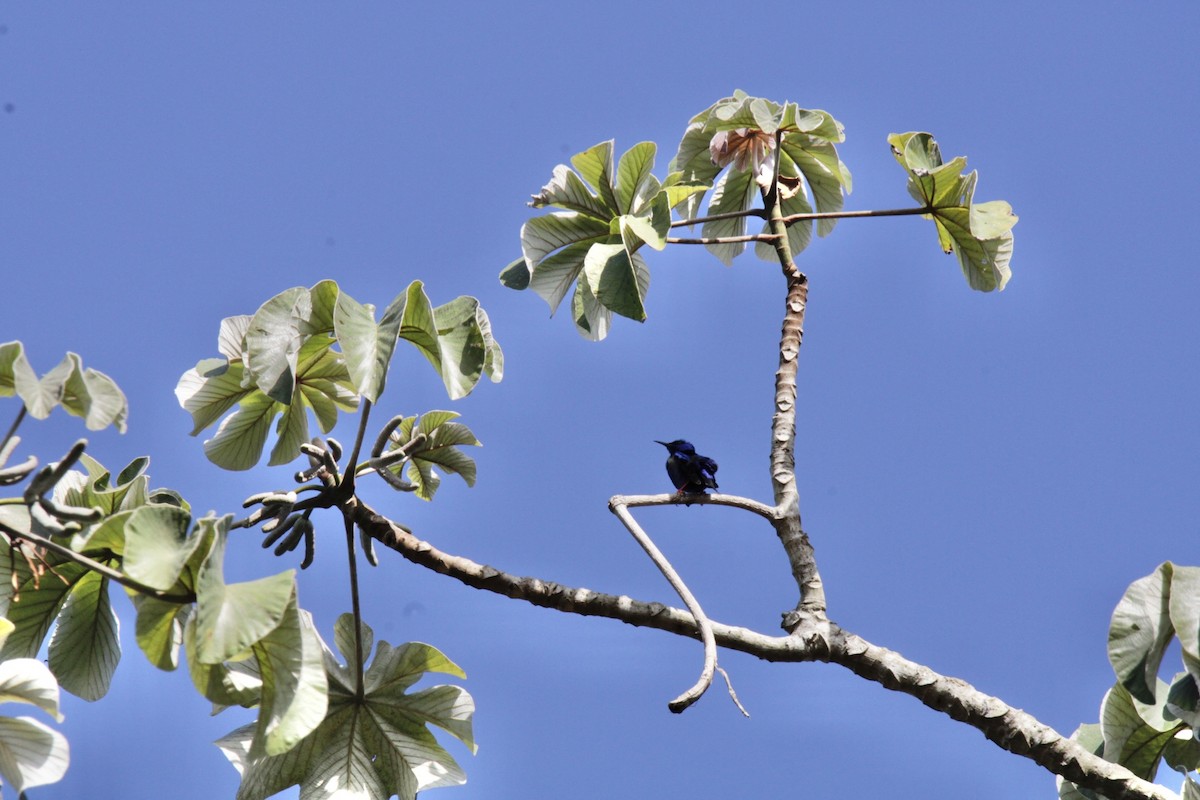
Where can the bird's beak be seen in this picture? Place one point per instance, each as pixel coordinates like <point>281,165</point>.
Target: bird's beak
<point>664,444</point>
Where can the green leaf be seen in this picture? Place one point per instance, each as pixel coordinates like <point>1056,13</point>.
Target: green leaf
<point>633,170</point>
<point>650,222</point>
<point>273,342</point>
<point>317,379</point>
<point>293,697</point>
<point>225,683</point>
<point>238,442</point>
<point>493,359</point>
<point>210,389</point>
<point>552,278</point>
<point>323,302</point>
<point>231,340</point>
<point>1140,631</point>
<point>733,192</point>
<point>1183,699</point>
<point>375,747</point>
<point>677,190</point>
<point>1184,610</point>
<point>567,190</point>
<point>542,235</point>
<point>159,629</point>
<point>43,395</point>
<point>95,397</point>
<point>27,680</point>
<point>85,649</point>
<point>1180,704</point>
<point>12,363</point>
<point>1129,738</point>
<point>456,338</point>
<point>516,275</point>
<point>34,753</point>
<point>595,165</point>
<point>367,346</point>
<point>232,617</point>
<point>592,319</point>
<point>157,545</point>
<point>463,350</point>
<point>618,278</point>
<point>817,160</point>
<point>35,602</point>
<point>291,431</point>
<point>984,262</point>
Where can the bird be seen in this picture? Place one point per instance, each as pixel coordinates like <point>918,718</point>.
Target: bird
<point>691,473</point>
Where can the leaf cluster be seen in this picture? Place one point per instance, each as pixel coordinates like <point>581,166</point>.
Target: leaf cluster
<point>34,753</point>
<point>739,148</point>
<point>980,234</point>
<point>1145,721</point>
<point>81,392</point>
<point>245,644</point>
<point>374,745</point>
<point>319,350</point>
<point>737,145</point>
<point>593,244</point>
<point>610,213</point>
<point>418,446</point>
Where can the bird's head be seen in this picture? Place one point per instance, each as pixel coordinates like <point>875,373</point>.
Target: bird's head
<point>678,446</point>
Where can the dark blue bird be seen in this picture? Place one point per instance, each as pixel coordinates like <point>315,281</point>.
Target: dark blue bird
<point>691,473</point>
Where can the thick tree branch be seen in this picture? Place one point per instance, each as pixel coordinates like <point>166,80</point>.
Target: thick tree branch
<point>783,425</point>
<point>813,639</point>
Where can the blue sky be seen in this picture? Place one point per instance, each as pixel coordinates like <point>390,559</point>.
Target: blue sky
<point>981,475</point>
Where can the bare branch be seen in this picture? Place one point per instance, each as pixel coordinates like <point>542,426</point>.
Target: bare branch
<point>749,212</point>
<point>813,639</point>
<point>734,501</point>
<point>750,237</point>
<point>679,704</point>
<point>885,212</point>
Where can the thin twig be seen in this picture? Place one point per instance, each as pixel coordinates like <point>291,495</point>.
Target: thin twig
<point>749,212</point>
<point>96,566</point>
<point>12,429</point>
<point>732,694</point>
<point>887,212</point>
<point>751,237</point>
<point>698,689</point>
<point>346,491</point>
<point>359,692</point>
<point>347,483</point>
<point>763,214</point>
